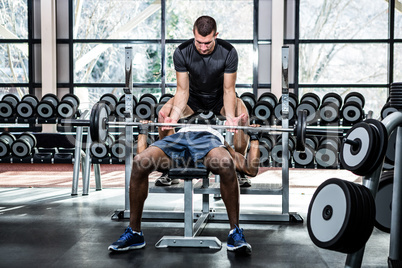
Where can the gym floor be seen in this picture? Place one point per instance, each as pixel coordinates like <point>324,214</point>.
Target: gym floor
<point>44,226</point>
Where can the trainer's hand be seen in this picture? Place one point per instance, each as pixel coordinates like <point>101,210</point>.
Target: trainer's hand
<point>167,119</point>
<point>234,121</point>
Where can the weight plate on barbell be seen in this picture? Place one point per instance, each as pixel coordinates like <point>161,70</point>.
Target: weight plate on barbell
<point>99,122</point>
<point>356,157</point>
<point>301,130</point>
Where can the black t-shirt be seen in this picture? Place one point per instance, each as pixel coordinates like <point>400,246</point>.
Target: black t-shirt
<point>206,71</point>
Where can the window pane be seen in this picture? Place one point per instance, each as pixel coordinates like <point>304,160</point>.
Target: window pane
<point>398,19</point>
<point>14,63</point>
<point>234,19</point>
<point>244,71</point>
<point>17,91</point>
<point>398,62</point>
<point>375,98</point>
<point>104,63</point>
<point>343,63</point>
<point>90,95</point>
<point>119,19</point>
<point>14,26</point>
<point>343,19</point>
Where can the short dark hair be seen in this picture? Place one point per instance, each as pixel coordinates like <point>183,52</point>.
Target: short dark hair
<point>205,25</point>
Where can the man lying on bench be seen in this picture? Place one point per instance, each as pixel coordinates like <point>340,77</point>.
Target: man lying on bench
<point>201,147</point>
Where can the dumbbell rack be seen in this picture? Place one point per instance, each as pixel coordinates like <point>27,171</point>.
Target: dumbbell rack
<point>213,189</point>
<point>19,125</point>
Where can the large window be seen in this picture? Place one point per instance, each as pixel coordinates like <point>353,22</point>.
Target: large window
<point>14,48</point>
<point>102,29</point>
<point>344,47</point>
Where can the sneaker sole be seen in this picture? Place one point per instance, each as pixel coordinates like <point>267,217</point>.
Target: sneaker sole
<point>126,248</point>
<point>160,183</point>
<point>245,184</point>
<point>243,249</point>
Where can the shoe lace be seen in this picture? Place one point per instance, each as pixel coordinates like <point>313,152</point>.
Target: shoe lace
<point>128,234</point>
<point>238,234</point>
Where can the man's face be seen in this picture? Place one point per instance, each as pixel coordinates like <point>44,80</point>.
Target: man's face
<point>205,44</point>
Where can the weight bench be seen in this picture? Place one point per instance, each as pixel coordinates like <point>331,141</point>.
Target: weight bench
<point>191,229</point>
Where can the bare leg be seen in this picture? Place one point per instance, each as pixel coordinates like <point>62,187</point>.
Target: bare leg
<point>240,139</point>
<point>166,110</point>
<point>149,160</point>
<point>219,161</point>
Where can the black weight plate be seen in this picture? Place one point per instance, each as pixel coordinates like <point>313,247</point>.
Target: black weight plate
<point>99,150</point>
<point>5,148</point>
<point>312,141</point>
<point>381,144</point>
<point>52,98</point>
<point>353,158</point>
<point>250,98</point>
<point>329,213</point>
<point>144,110</point>
<point>29,137</point>
<point>333,98</point>
<point>151,99</point>
<point>383,202</point>
<point>268,140</point>
<point>326,156</point>
<point>269,97</point>
<point>263,110</point>
<point>6,109</point>
<point>10,138</point>
<point>72,98</point>
<point>120,109</point>
<point>264,154</point>
<point>278,111</point>
<point>301,130</point>
<point>165,97</point>
<point>25,109</point>
<point>118,149</point>
<point>387,110</point>
<point>12,99</point>
<point>45,109</point>
<point>98,122</point>
<point>352,112</point>
<point>32,99</point>
<point>304,158</point>
<point>21,148</point>
<point>329,112</point>
<point>66,109</point>
<point>111,100</point>
<point>311,98</point>
<point>356,97</point>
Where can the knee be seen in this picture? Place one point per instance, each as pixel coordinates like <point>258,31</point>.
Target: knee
<point>141,164</point>
<point>226,167</point>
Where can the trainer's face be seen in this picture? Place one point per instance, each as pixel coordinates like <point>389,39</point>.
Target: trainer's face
<point>204,44</point>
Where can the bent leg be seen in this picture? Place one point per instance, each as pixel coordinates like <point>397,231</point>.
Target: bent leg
<point>153,158</point>
<point>219,161</point>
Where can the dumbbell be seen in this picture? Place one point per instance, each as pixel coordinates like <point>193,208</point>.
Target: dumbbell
<point>121,106</point>
<point>329,111</point>
<point>32,99</point>
<point>24,145</point>
<point>277,150</point>
<point>25,109</point>
<point>310,102</point>
<point>326,155</point>
<point>263,112</point>
<point>6,140</point>
<point>165,97</point>
<point>111,102</point>
<point>68,106</point>
<point>13,99</point>
<point>118,147</point>
<point>292,99</point>
<point>278,112</point>
<point>249,98</point>
<point>149,98</point>
<point>269,97</point>
<point>102,150</point>
<point>7,110</point>
<point>306,158</point>
<point>266,143</point>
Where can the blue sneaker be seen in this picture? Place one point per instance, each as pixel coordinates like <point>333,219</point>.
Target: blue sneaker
<point>237,243</point>
<point>128,240</point>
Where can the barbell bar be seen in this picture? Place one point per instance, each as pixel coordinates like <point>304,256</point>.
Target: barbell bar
<point>99,124</point>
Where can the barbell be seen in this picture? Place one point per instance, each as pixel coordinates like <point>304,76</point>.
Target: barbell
<point>99,124</point>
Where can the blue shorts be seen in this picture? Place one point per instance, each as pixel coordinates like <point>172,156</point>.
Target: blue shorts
<point>187,149</point>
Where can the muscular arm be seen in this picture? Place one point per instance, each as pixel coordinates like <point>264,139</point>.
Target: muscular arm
<point>181,96</point>
<point>249,165</point>
<point>229,95</point>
